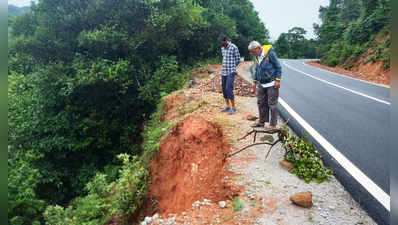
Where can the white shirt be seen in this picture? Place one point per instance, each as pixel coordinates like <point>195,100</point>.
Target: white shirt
<point>260,57</point>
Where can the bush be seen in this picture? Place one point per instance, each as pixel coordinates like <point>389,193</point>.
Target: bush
<point>331,60</point>
<point>24,208</point>
<point>105,200</point>
<point>121,198</point>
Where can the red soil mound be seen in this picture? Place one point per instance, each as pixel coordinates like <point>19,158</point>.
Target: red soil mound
<point>190,166</point>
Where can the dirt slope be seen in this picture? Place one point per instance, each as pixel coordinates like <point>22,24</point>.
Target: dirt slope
<point>191,165</point>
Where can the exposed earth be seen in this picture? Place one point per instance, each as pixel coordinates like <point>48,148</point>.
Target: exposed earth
<point>372,72</point>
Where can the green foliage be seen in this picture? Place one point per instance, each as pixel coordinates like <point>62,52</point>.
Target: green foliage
<point>23,205</point>
<point>164,79</point>
<point>24,24</point>
<point>341,52</point>
<point>237,205</point>
<point>105,200</point>
<point>294,45</point>
<point>65,118</point>
<point>248,25</point>
<point>348,26</point>
<point>123,197</point>
<point>245,21</point>
<point>306,159</point>
<point>155,129</point>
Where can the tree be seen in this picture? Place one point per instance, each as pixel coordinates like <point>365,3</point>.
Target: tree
<point>293,44</point>
<point>348,24</point>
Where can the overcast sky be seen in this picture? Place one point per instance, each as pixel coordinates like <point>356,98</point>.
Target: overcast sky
<point>20,3</point>
<point>281,15</point>
<point>278,15</point>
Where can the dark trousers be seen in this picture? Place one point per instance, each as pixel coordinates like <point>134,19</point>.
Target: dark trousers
<point>267,100</point>
<point>227,83</point>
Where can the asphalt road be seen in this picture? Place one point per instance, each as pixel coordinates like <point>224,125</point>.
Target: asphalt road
<point>352,115</point>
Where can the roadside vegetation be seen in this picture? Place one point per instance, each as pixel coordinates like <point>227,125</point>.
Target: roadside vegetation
<point>351,31</point>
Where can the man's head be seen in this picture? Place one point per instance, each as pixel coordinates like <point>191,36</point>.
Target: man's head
<point>255,48</point>
<point>223,40</point>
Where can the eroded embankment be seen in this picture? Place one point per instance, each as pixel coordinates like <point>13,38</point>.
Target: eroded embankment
<point>190,166</point>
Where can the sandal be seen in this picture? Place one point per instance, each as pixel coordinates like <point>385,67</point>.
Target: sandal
<point>226,109</point>
<point>257,125</point>
<point>232,111</point>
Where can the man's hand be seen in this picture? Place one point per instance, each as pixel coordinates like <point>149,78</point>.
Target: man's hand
<point>254,88</point>
<point>277,84</point>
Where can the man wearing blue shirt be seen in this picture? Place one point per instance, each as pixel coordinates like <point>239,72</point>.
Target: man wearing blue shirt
<point>266,79</point>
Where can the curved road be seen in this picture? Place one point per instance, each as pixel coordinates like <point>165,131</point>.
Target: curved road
<point>353,117</point>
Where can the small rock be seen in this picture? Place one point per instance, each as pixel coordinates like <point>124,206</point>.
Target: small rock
<point>286,164</point>
<point>251,117</point>
<point>332,207</point>
<point>268,138</point>
<point>171,221</point>
<point>251,196</point>
<point>303,199</point>
<point>148,220</point>
<point>222,204</point>
<point>155,217</point>
<point>206,202</point>
<point>196,204</point>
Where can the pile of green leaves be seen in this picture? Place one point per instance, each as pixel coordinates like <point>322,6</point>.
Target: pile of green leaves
<point>306,159</point>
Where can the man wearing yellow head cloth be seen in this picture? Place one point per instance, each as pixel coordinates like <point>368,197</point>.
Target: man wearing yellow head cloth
<point>266,78</point>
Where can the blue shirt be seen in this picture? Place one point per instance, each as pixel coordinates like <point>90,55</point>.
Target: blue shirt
<point>268,70</point>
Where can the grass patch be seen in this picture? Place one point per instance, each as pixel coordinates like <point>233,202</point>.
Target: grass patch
<point>310,218</point>
<point>237,205</point>
<point>229,167</point>
<point>183,110</point>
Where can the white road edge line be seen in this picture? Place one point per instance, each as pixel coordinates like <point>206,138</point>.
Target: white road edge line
<point>330,83</point>
<point>358,175</point>
<point>346,76</point>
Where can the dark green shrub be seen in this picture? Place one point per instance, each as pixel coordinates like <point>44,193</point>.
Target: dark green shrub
<point>307,161</point>
<point>24,208</point>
